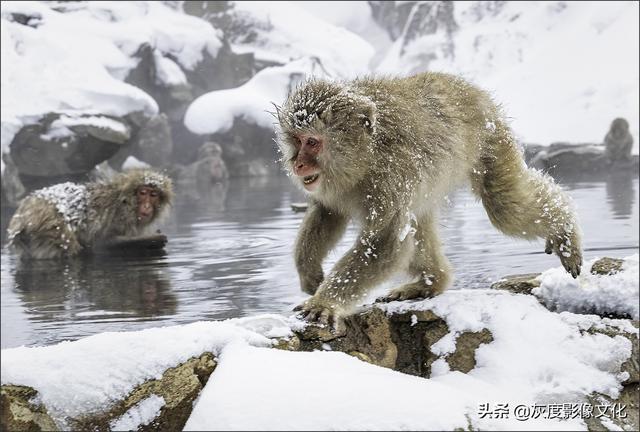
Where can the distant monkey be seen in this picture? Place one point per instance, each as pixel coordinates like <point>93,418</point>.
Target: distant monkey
<point>618,141</point>
<point>385,152</point>
<point>67,219</point>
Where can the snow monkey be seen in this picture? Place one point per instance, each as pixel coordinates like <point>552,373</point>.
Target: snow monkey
<point>67,219</point>
<point>384,152</point>
<point>618,141</point>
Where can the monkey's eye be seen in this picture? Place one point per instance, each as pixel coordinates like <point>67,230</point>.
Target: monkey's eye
<point>312,142</point>
<point>154,193</point>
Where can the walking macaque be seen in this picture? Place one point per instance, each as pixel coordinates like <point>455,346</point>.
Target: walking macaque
<point>385,152</point>
<point>67,219</point>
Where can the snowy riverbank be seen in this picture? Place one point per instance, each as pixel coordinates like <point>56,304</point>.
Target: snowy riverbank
<point>481,349</point>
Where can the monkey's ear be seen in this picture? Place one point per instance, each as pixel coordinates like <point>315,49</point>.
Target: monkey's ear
<point>367,116</point>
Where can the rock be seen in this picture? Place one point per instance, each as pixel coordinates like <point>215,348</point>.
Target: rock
<point>226,70</point>
<point>12,188</point>
<point>391,16</point>
<point>631,366</point>
<point>623,412</point>
<point>153,142</point>
<point>566,160</point>
<point>607,266</point>
<point>463,358</point>
<point>59,148</point>
<point>518,284</point>
<point>408,21</point>
<point>19,413</point>
<point>400,341</point>
<point>148,245</point>
<point>248,149</point>
<point>179,387</point>
<point>299,207</point>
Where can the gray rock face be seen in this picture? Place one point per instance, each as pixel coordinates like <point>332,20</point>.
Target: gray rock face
<point>573,160</point>
<point>53,150</point>
<point>153,143</point>
<point>408,21</point>
<point>249,149</point>
<point>12,188</point>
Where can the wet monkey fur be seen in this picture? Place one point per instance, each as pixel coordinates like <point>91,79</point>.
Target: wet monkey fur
<point>384,152</point>
<point>67,219</point>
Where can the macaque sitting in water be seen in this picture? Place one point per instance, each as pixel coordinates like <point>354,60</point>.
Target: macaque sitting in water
<point>68,219</point>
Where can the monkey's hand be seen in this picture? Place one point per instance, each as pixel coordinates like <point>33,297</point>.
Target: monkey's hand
<point>318,310</point>
<point>570,255</point>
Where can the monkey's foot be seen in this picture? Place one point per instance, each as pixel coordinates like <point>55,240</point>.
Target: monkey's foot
<point>409,291</point>
<point>570,256</point>
<point>316,311</point>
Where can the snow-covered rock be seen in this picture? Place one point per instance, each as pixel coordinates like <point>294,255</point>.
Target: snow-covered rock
<point>459,351</point>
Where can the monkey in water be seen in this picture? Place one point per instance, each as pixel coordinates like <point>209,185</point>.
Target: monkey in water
<point>385,152</point>
<point>67,219</point>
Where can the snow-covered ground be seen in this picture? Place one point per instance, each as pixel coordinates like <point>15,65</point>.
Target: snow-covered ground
<point>536,357</point>
<point>73,60</point>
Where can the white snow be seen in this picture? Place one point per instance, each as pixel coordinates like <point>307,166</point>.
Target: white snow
<point>89,374</point>
<point>70,199</point>
<point>215,111</point>
<point>74,62</point>
<point>536,357</point>
<point>131,162</point>
<point>562,70</point>
<point>616,293</point>
<point>140,414</point>
<point>286,31</point>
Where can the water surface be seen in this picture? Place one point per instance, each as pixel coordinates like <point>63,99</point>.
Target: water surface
<point>229,255</point>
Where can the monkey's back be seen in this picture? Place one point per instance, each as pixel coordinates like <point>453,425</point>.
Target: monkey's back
<point>47,222</point>
<point>429,124</point>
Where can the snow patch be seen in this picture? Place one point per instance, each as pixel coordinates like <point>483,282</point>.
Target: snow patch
<point>615,293</point>
<point>140,414</point>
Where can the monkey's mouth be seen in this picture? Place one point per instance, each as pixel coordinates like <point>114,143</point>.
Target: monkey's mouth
<point>310,179</point>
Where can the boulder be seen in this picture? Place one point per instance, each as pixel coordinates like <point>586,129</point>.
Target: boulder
<point>20,412</point>
<point>399,341</point>
<point>519,284</point>
<point>59,148</point>
<point>607,266</point>
<point>566,160</point>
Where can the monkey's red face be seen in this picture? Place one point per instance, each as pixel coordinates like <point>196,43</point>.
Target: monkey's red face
<point>148,200</point>
<point>305,161</point>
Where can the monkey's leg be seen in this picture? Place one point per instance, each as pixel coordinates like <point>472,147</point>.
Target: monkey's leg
<point>374,255</point>
<point>320,231</point>
<point>428,263</point>
<point>526,203</point>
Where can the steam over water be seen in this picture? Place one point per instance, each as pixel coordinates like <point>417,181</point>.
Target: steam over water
<point>230,255</point>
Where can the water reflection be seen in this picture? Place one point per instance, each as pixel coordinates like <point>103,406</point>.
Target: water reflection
<point>620,193</point>
<point>95,288</point>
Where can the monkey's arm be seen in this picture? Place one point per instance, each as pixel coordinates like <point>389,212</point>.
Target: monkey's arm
<point>319,232</point>
<point>373,256</point>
